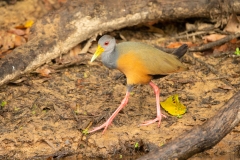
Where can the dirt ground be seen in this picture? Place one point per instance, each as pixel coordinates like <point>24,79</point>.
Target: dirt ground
<point>44,116</point>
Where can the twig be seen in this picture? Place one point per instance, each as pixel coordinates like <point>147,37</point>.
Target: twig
<point>221,32</point>
<point>50,144</point>
<point>191,34</point>
<point>213,44</point>
<point>88,44</point>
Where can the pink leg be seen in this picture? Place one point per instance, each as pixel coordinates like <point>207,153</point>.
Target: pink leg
<point>159,115</point>
<point>109,121</point>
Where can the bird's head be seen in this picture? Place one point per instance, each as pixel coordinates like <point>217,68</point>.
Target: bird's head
<point>106,44</point>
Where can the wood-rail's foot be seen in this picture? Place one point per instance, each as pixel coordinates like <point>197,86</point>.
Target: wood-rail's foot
<point>109,121</point>
<point>159,119</point>
<point>104,125</point>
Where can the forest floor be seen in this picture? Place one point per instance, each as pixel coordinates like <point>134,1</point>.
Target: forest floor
<point>44,115</point>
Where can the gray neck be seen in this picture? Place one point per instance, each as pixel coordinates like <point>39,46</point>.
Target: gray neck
<point>109,59</point>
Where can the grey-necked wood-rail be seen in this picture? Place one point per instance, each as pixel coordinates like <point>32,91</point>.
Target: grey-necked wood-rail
<point>140,63</point>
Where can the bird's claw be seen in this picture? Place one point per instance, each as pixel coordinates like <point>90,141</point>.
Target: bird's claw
<point>159,118</point>
<point>104,125</point>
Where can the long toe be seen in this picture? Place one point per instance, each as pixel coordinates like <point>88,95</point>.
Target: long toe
<point>104,125</point>
<point>159,119</point>
<point>97,128</point>
<point>149,122</point>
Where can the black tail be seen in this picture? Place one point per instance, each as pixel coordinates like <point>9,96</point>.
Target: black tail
<point>179,52</point>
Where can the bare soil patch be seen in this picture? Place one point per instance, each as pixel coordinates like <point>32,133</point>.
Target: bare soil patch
<point>46,115</point>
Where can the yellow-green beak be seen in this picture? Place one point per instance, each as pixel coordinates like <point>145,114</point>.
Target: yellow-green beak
<point>98,52</point>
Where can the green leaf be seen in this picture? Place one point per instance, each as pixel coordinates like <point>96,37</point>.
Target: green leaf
<point>3,104</point>
<point>136,145</point>
<point>85,131</point>
<point>237,52</point>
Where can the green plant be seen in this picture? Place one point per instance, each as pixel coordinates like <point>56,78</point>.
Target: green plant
<point>85,131</point>
<point>136,145</point>
<point>3,103</point>
<point>179,116</point>
<point>237,52</point>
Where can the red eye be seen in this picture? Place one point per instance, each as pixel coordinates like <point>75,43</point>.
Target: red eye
<point>106,43</point>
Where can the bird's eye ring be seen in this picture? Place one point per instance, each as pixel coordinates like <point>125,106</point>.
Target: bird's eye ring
<point>106,43</point>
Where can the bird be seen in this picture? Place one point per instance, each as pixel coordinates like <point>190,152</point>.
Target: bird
<point>141,63</point>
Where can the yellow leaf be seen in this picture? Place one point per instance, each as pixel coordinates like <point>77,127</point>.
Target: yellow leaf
<point>173,106</point>
<point>28,24</point>
<point>85,74</point>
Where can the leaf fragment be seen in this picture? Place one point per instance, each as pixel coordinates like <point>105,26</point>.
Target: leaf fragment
<point>173,106</point>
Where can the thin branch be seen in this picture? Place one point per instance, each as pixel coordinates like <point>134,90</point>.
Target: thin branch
<point>213,44</point>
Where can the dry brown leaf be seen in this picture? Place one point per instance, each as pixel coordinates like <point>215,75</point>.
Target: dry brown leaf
<point>75,51</point>
<point>174,45</point>
<point>233,41</point>
<point>44,72</point>
<point>178,44</point>
<point>27,31</point>
<point>233,24</point>
<point>190,44</point>
<point>11,39</point>
<point>6,41</point>
<point>20,27</point>
<point>221,48</point>
<point>18,32</point>
<point>151,23</point>
<point>19,40</point>
<point>213,37</point>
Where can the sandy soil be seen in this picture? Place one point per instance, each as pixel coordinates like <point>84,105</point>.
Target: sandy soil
<point>44,116</point>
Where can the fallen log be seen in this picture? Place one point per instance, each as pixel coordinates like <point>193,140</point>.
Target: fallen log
<point>58,32</point>
<point>202,137</point>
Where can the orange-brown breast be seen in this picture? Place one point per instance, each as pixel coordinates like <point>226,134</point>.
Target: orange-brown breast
<point>134,69</point>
